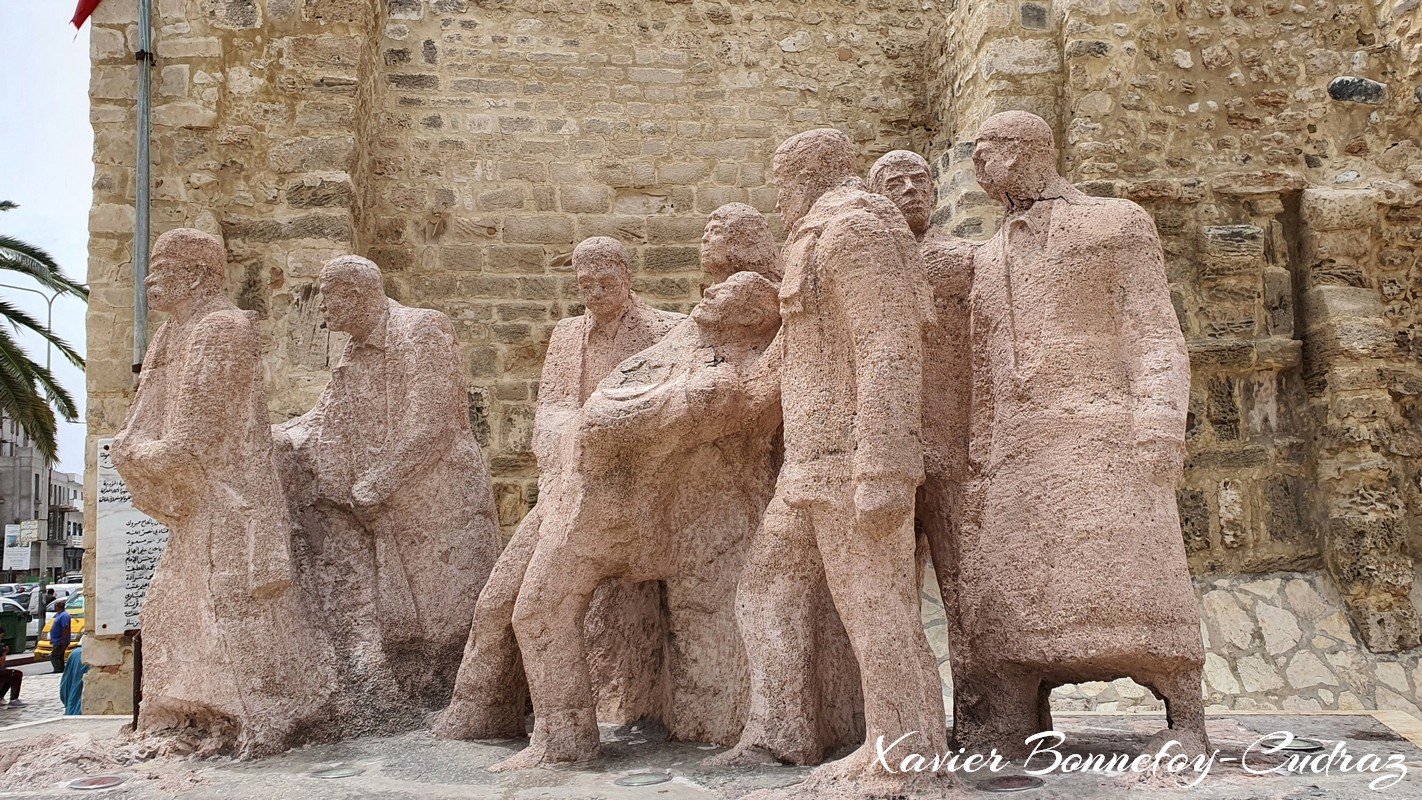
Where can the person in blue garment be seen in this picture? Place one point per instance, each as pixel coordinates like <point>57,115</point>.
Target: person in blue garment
<point>71,685</point>
<point>59,636</point>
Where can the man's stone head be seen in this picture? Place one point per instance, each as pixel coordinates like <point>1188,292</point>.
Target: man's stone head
<point>352,295</point>
<point>746,301</point>
<point>806,166</point>
<point>1015,157</point>
<point>905,178</point>
<point>738,239</point>
<point>186,265</point>
<point>604,273</point>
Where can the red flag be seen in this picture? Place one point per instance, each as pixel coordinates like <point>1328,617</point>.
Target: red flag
<point>82,12</point>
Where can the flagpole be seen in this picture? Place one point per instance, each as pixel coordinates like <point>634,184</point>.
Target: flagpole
<point>144,57</point>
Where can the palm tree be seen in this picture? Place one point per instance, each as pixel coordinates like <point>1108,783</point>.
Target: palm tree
<point>29,394</point>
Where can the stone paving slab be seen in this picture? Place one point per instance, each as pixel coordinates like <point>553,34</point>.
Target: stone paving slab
<point>41,694</point>
<point>415,766</point>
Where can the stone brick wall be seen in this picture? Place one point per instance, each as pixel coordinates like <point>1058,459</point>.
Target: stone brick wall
<point>467,145</point>
<point>508,132</point>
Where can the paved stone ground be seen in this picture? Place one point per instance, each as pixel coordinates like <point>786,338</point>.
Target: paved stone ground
<point>416,766</point>
<point>40,691</point>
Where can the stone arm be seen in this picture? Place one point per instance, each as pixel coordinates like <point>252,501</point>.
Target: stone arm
<point>879,283</point>
<point>223,361</point>
<point>422,431</point>
<point>559,388</point>
<point>1158,363</point>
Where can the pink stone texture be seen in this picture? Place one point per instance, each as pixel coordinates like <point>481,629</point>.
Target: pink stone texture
<point>490,695</point>
<point>854,301</point>
<point>233,661</point>
<point>1073,567</point>
<point>396,510</point>
<point>672,467</point>
<point>906,179</point>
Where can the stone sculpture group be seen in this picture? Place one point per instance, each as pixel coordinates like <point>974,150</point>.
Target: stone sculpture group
<point>735,507</point>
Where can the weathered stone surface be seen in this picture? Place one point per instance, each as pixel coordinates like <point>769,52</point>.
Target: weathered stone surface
<point>406,534</point>
<point>1357,90</point>
<point>246,686</point>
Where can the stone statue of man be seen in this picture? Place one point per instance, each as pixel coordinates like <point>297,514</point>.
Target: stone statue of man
<point>906,179</point>
<point>853,303</point>
<point>673,466</point>
<point>489,695</point>
<point>230,655</point>
<point>389,448</point>
<point>1081,381</point>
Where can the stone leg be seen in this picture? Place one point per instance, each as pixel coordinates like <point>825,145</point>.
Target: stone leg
<point>998,706</point>
<point>1184,709</point>
<point>706,660</point>
<point>548,621</point>
<point>774,605</point>
<point>625,635</point>
<point>871,575</point>
<point>489,691</point>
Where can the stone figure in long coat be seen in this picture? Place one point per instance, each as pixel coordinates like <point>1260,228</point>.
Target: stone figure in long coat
<point>1074,569</point>
<point>231,659</point>
<point>853,302</point>
<point>388,455</point>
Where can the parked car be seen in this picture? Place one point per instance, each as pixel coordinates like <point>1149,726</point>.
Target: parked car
<point>12,589</point>
<point>71,577</point>
<point>75,607</point>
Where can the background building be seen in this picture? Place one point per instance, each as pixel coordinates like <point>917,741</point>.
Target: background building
<point>29,490</point>
<point>466,147</point>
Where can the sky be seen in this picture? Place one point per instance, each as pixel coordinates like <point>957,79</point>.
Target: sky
<point>46,148</point>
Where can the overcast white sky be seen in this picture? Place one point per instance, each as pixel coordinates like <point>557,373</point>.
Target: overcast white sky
<point>46,146</point>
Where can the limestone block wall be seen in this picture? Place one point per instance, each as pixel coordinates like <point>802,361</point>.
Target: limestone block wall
<point>508,132</point>
<point>467,145</point>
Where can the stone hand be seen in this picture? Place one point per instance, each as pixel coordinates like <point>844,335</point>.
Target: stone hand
<point>365,494</point>
<point>881,505</point>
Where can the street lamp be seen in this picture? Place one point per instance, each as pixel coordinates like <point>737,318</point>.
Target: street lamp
<point>49,465</point>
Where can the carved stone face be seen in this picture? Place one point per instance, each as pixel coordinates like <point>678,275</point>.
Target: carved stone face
<point>350,304</point>
<point>746,301</point>
<point>795,192</point>
<point>716,249</point>
<point>170,281</point>
<point>1014,157</point>
<point>910,187</point>
<point>186,264</point>
<point>605,284</point>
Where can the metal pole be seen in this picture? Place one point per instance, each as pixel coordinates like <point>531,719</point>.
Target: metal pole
<point>144,56</point>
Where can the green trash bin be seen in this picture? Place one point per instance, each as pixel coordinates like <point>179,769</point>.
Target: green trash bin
<point>12,629</point>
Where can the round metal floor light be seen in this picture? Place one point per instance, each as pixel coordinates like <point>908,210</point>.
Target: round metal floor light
<point>96,782</point>
<point>1301,745</point>
<point>643,779</point>
<point>1010,783</point>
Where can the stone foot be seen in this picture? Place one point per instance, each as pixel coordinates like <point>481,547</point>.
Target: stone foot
<point>742,755</point>
<point>539,754</point>
<point>1191,743</point>
<point>473,723</point>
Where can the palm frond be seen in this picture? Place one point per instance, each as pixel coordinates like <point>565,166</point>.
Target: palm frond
<point>18,317</point>
<point>13,354</point>
<point>6,205</point>
<point>21,402</point>
<point>37,263</point>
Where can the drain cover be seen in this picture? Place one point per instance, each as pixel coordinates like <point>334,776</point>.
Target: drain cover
<point>643,779</point>
<point>98,782</point>
<point>336,772</point>
<point>1010,783</point>
<point>1300,745</point>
